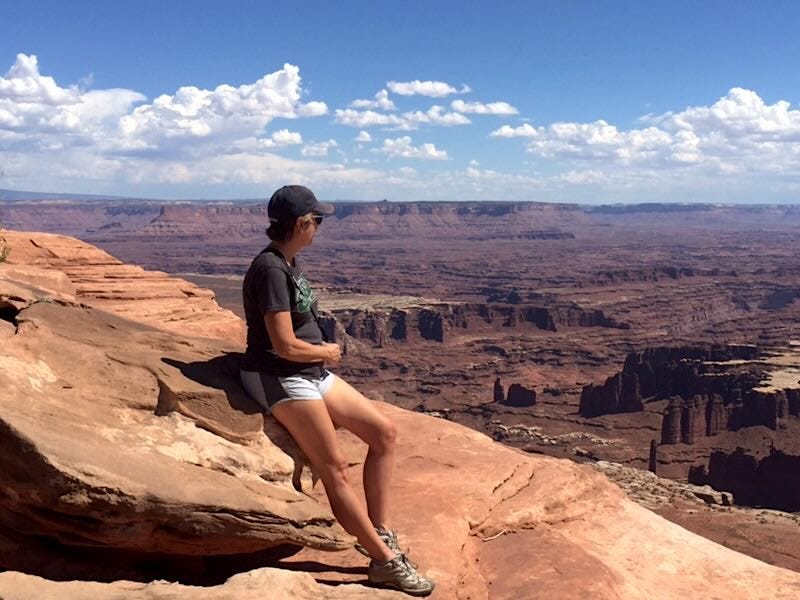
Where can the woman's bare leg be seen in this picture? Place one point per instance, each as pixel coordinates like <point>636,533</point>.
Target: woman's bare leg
<point>349,409</point>
<point>310,425</point>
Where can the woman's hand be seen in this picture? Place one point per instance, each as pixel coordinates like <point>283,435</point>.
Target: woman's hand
<point>286,345</point>
<point>333,352</point>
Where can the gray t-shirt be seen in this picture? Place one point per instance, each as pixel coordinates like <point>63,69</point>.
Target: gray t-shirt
<point>272,285</point>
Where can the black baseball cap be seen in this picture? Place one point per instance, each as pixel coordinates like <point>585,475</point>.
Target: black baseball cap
<point>293,201</point>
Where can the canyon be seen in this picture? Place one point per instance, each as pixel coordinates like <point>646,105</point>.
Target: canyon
<point>654,337</point>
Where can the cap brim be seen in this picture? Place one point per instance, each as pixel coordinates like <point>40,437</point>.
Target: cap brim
<point>324,209</point>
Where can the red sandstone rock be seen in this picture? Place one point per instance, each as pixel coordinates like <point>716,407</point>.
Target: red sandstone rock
<point>102,281</point>
<point>488,521</point>
<point>86,461</point>
<point>259,584</point>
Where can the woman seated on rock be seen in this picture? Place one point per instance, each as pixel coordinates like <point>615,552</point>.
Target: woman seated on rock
<point>284,370</point>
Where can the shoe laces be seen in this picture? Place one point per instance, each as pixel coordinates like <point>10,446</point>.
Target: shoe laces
<point>389,538</point>
<point>409,567</point>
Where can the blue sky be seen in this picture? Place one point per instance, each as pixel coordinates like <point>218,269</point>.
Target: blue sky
<point>561,101</point>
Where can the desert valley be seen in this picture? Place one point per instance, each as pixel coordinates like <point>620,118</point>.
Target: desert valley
<point>655,345</point>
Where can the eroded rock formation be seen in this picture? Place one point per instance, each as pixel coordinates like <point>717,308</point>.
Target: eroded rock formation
<point>520,396</point>
<point>620,393</point>
<point>772,479</point>
<point>498,393</point>
<point>436,321</point>
<point>709,391</point>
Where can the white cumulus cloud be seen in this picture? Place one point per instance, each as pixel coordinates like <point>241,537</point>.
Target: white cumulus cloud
<point>227,112</point>
<point>433,89</point>
<point>23,83</point>
<point>282,137</point>
<point>401,147</point>
<point>492,108</point>
<point>435,115</point>
<point>314,108</point>
<point>318,148</point>
<point>365,118</point>
<point>586,177</point>
<point>599,140</point>
<point>524,130</point>
<point>35,112</point>
<point>363,136</point>
<point>60,137</point>
<point>381,102</point>
<point>195,141</point>
<point>738,133</point>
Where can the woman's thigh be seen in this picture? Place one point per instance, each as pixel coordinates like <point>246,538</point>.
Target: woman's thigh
<point>310,424</point>
<point>350,410</point>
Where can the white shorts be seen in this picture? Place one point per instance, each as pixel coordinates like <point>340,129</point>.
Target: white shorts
<point>269,390</point>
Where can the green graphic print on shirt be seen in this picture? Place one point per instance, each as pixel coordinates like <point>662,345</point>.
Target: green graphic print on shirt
<point>304,295</point>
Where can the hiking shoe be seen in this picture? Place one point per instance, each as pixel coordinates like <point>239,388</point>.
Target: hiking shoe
<point>398,573</point>
<point>389,538</point>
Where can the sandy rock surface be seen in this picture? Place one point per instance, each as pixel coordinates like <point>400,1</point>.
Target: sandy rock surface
<point>102,281</point>
<point>253,585</point>
<point>488,522</point>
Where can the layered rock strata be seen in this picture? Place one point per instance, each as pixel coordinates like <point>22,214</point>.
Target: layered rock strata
<point>376,220</point>
<point>437,321</point>
<point>100,280</point>
<point>77,217</point>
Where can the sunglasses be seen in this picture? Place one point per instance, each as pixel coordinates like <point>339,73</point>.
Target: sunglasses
<point>318,220</point>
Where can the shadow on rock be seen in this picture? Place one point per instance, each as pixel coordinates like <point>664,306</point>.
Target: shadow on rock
<point>237,417</point>
<point>221,373</point>
<point>48,558</point>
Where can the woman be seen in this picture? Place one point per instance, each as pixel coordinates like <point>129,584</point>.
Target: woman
<point>284,370</point>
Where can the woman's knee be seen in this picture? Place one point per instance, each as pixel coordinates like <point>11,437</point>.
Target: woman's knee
<point>385,437</point>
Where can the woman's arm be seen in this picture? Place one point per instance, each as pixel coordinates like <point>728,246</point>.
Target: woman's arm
<point>288,346</point>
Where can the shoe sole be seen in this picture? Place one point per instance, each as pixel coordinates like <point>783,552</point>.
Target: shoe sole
<point>389,585</point>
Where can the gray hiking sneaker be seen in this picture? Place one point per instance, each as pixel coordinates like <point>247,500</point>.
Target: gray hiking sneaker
<point>389,538</point>
<point>398,573</point>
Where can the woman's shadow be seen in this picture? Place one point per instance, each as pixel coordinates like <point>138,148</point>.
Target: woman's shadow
<point>222,373</point>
